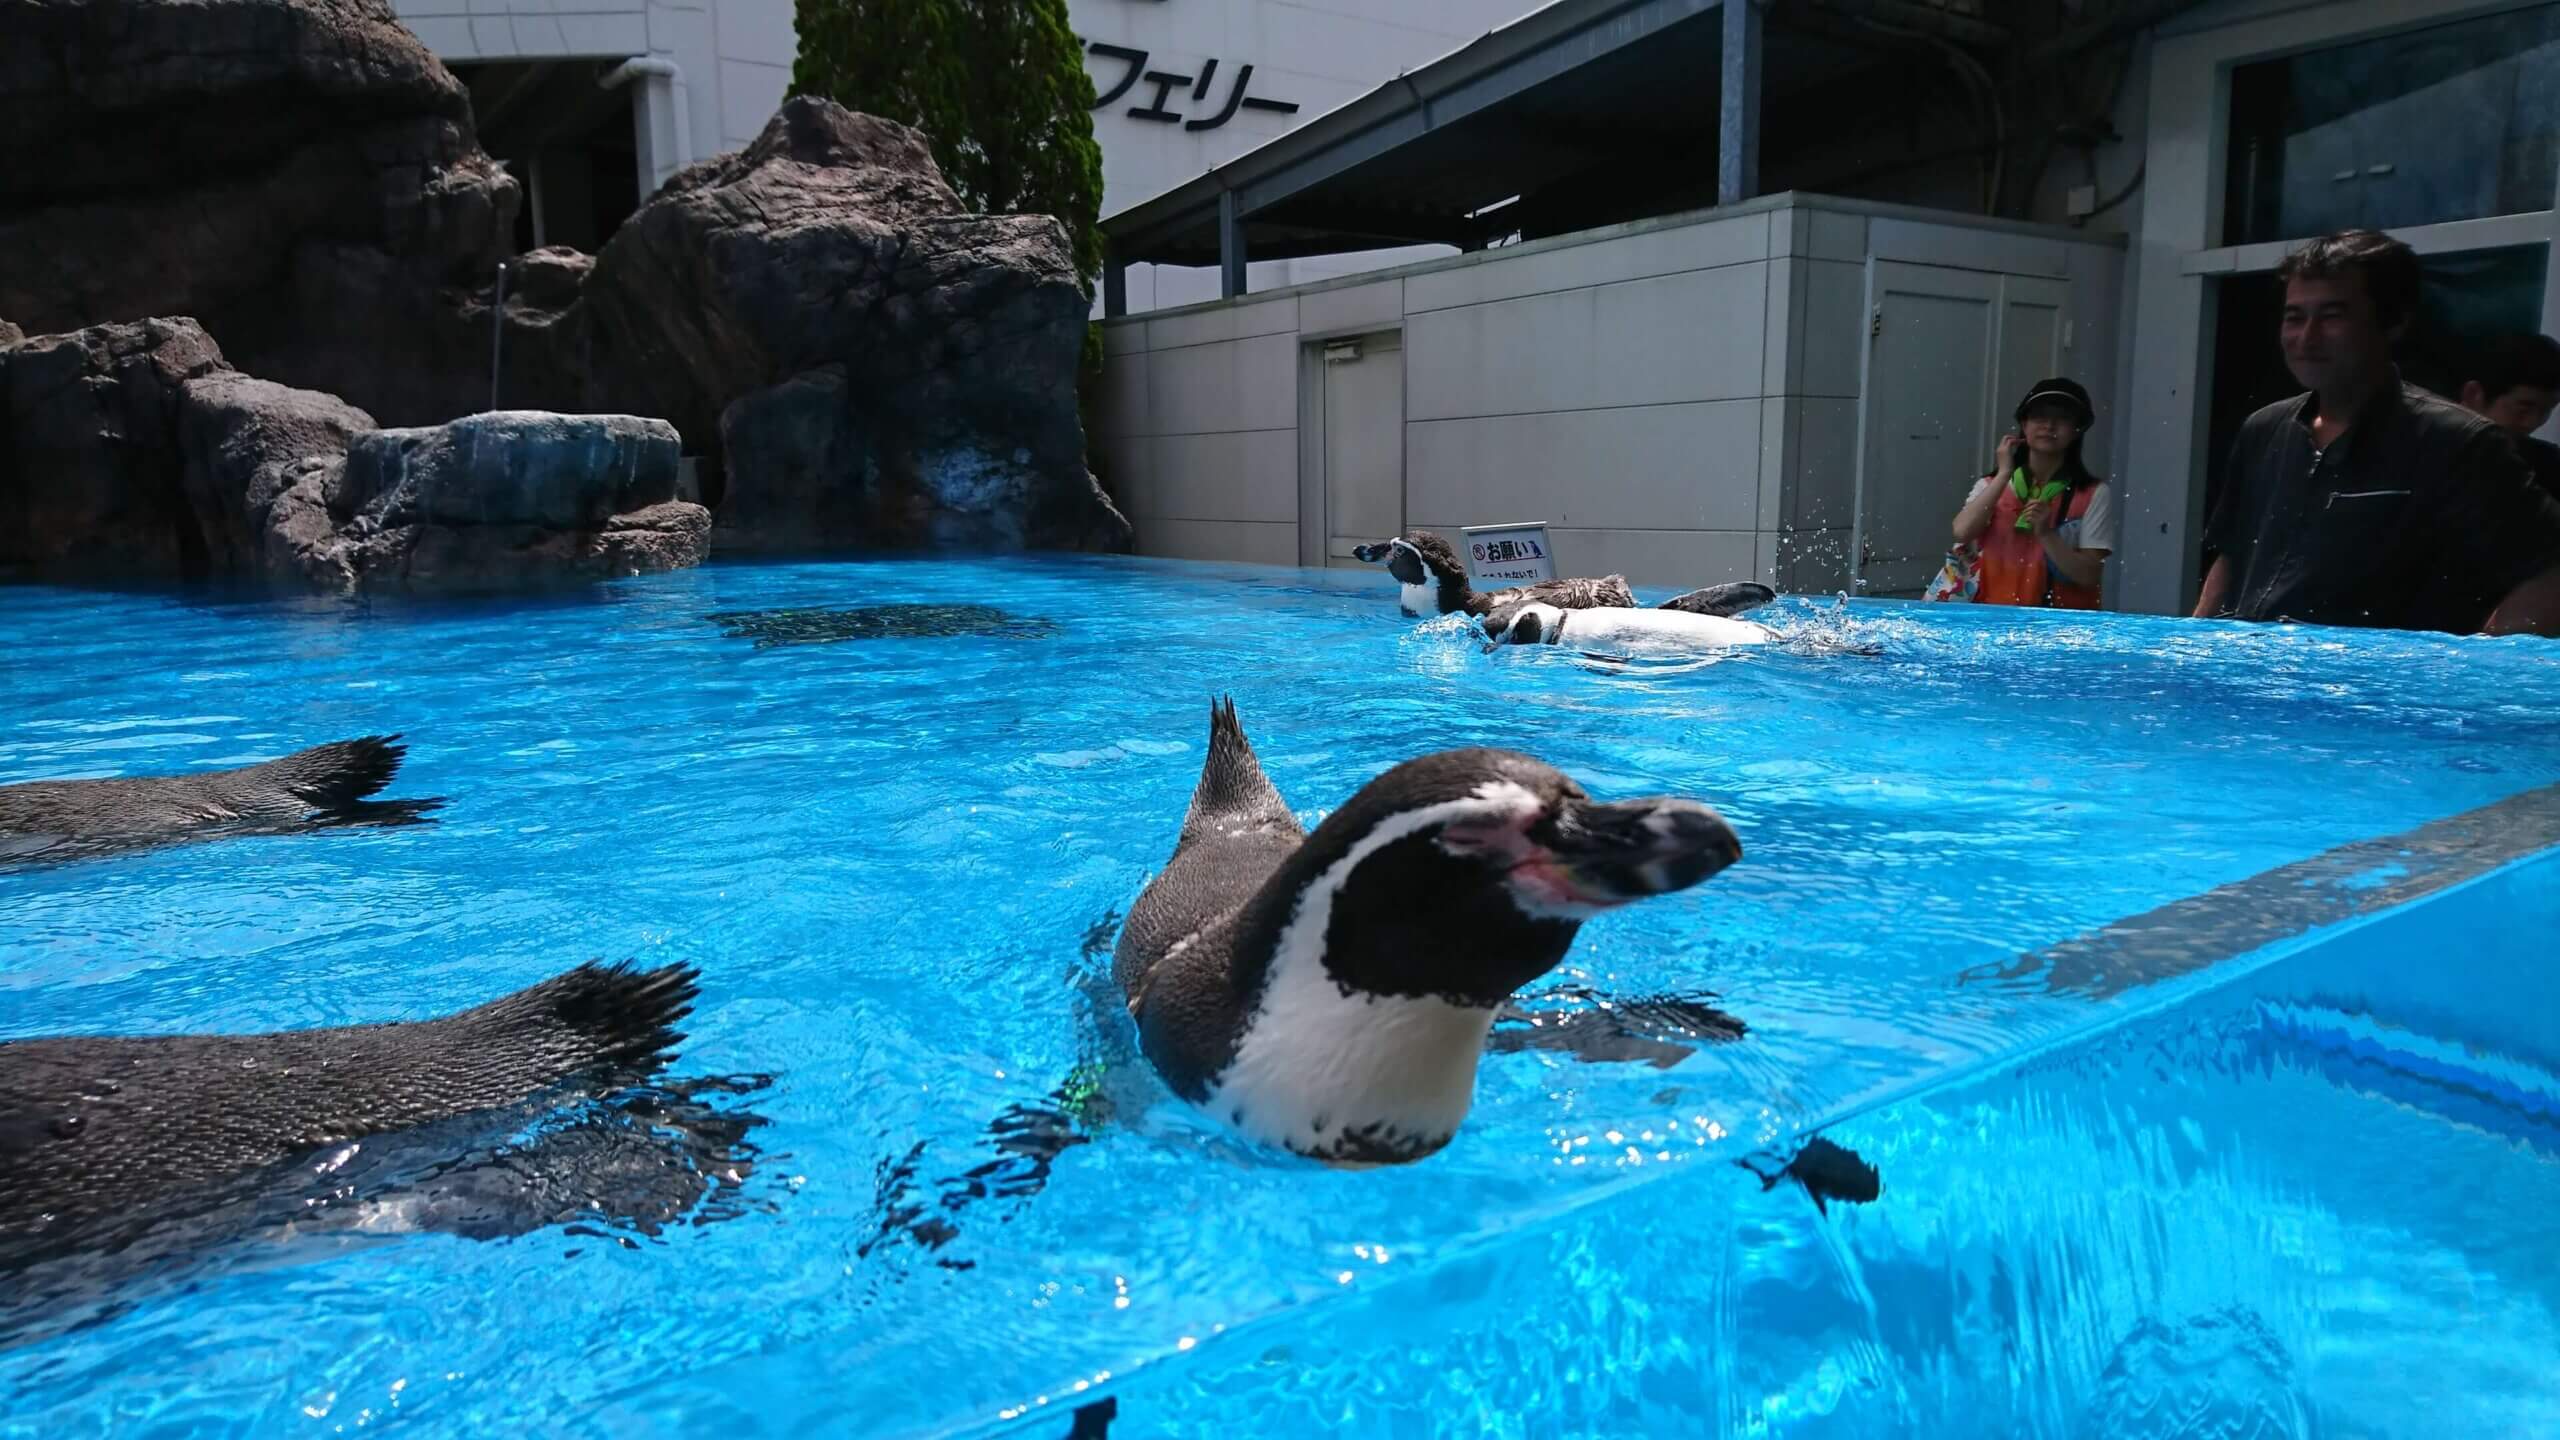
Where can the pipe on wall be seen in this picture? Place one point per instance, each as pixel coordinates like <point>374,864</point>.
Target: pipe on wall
<point>660,123</point>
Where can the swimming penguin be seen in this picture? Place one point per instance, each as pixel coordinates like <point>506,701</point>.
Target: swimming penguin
<point>1619,631</point>
<point>1435,583</point>
<point>1331,993</point>
<point>1023,1144</point>
<point>98,1128</point>
<point>318,788</point>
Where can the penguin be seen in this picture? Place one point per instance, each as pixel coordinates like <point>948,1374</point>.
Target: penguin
<point>1330,994</point>
<point>1434,582</point>
<point>318,788</point>
<point>96,1131</point>
<point>1616,630</point>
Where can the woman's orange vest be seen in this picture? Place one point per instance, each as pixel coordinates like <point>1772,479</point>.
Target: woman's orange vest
<point>2014,570</point>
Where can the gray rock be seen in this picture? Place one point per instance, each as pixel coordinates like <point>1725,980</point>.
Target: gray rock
<point>89,449</point>
<point>245,444</point>
<point>135,451</point>
<point>796,476</point>
<point>513,498</point>
<point>257,164</point>
<point>302,177</point>
<point>837,299</point>
<point>511,467</point>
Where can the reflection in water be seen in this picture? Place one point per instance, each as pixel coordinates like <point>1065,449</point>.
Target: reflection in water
<point>623,1166</point>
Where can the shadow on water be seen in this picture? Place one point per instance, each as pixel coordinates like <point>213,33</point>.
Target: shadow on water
<point>621,1168</point>
<point>825,625</point>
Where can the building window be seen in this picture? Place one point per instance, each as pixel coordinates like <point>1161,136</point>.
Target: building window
<point>2452,122</point>
<point>2468,296</point>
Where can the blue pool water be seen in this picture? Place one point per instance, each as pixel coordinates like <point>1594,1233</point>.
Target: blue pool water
<point>887,857</point>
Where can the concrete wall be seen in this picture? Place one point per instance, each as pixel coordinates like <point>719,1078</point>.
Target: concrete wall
<point>735,54</point>
<point>1677,399</point>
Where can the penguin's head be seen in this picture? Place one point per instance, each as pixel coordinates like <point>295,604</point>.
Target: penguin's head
<point>1465,874</point>
<point>1535,623</point>
<point>1434,580</point>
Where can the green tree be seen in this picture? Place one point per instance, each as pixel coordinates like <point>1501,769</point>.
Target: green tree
<point>998,86</point>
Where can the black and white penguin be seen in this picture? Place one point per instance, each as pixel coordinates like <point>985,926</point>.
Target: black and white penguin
<point>325,785</point>
<point>102,1129</point>
<point>1331,993</point>
<point>1620,631</point>
<point>1434,582</point>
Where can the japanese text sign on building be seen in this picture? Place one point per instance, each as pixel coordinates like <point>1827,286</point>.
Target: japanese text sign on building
<point>1210,113</point>
<point>1508,554</point>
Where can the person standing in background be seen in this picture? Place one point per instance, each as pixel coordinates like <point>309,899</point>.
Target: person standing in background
<point>2366,500</point>
<point>2514,382</point>
<point>2044,524</point>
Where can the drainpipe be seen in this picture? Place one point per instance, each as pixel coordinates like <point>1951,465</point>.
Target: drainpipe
<point>661,124</point>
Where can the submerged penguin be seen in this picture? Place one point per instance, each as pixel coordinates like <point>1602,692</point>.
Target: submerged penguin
<point>1331,993</point>
<point>99,1130</point>
<point>318,788</point>
<point>1434,582</point>
<point>1620,631</point>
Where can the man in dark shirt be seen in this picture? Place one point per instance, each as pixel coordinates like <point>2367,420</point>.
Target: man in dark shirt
<point>2368,501</point>
<point>2515,382</point>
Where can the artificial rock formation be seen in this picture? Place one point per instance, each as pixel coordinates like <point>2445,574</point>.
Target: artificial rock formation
<point>298,175</point>
<point>856,359</point>
<point>866,362</point>
<point>90,479</point>
<point>134,450</point>
<point>498,499</point>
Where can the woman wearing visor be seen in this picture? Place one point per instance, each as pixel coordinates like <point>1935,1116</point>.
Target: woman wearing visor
<point>2043,524</point>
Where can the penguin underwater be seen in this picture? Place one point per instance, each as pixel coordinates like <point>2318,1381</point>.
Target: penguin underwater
<point>322,787</point>
<point>1331,993</point>
<point>101,1133</point>
<point>1435,583</point>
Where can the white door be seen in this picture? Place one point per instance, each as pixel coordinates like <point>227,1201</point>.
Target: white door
<point>1363,442</point>
<point>1949,353</point>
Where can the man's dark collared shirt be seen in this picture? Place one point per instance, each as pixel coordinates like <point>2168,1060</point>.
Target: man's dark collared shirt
<point>2543,459</point>
<point>2421,516</point>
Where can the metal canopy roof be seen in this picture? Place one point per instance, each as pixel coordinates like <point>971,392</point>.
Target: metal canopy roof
<point>1587,111</point>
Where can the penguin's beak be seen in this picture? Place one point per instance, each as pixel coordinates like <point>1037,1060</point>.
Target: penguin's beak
<point>1372,554</point>
<point>1616,853</point>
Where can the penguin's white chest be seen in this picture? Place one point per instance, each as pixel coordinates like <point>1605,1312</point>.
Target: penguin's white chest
<point>1421,601</point>
<point>1351,1076</point>
<point>1659,631</point>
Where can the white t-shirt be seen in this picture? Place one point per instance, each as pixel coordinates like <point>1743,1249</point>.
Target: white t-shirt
<point>2094,530</point>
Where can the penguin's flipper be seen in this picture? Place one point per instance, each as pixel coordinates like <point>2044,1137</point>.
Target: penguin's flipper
<point>1727,599</point>
<point>338,773</point>
<point>1497,620</point>
<point>1660,1030</point>
<point>1093,1419</point>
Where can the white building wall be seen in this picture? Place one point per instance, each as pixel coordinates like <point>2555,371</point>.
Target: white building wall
<point>733,56</point>
<point>1679,400</point>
